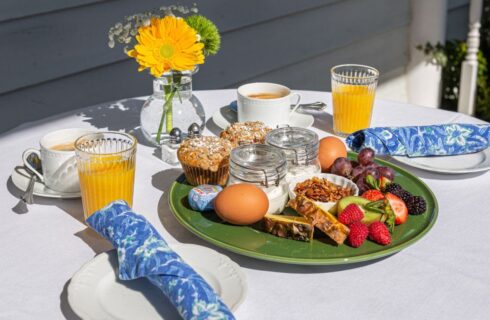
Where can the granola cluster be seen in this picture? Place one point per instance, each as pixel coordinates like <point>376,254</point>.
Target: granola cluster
<point>204,152</point>
<point>250,132</point>
<point>319,189</point>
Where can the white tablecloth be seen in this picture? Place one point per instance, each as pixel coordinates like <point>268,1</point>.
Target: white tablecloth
<point>445,275</point>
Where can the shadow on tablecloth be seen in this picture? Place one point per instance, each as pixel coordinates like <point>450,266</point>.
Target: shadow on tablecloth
<point>71,206</point>
<point>67,311</point>
<point>164,179</point>
<point>323,121</point>
<point>116,116</point>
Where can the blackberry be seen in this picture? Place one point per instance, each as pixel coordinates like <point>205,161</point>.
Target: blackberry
<point>416,205</point>
<point>393,188</point>
<point>397,190</point>
<point>405,196</point>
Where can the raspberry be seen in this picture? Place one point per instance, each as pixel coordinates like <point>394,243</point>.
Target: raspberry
<point>416,205</point>
<point>373,195</point>
<point>379,233</point>
<point>358,234</point>
<point>351,213</point>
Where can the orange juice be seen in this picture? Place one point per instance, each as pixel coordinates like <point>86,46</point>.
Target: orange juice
<point>104,179</point>
<point>352,107</point>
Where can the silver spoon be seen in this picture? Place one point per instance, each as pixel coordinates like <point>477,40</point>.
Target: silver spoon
<point>314,106</point>
<point>35,162</point>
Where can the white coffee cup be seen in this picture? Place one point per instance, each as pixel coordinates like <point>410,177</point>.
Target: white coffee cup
<point>59,166</point>
<point>273,112</point>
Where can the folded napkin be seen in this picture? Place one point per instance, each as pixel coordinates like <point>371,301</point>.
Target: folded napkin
<point>143,253</point>
<point>422,141</point>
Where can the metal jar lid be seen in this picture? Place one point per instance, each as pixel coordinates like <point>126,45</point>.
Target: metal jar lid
<point>258,163</point>
<point>299,144</point>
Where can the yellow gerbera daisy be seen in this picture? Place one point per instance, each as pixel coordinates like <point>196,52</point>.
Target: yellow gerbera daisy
<point>167,44</point>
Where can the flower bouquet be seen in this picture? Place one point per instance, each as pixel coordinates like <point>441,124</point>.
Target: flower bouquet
<point>170,42</point>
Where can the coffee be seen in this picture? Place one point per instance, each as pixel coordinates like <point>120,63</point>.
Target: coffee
<point>265,95</point>
<point>70,146</point>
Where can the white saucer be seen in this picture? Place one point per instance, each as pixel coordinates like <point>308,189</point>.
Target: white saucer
<point>95,292</point>
<point>466,163</point>
<point>226,116</point>
<point>20,178</point>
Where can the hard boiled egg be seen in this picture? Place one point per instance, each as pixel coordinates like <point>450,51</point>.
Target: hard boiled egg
<point>241,204</point>
<point>330,149</point>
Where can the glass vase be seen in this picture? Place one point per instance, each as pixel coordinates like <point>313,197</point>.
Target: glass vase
<point>171,106</point>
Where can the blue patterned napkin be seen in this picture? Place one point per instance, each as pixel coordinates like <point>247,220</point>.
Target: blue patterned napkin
<point>143,253</point>
<point>422,141</point>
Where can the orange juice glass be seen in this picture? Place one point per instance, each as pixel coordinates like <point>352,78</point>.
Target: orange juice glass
<point>353,89</point>
<point>106,165</point>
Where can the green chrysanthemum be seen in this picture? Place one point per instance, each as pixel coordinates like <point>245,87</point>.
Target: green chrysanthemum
<point>208,31</point>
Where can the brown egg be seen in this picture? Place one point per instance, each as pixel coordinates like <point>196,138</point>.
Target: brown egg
<point>241,204</point>
<point>330,149</point>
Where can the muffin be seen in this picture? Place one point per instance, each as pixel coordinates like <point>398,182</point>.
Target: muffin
<point>250,132</point>
<point>205,160</point>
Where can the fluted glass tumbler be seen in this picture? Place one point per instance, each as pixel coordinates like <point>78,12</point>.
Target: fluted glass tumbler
<point>353,89</point>
<point>106,165</point>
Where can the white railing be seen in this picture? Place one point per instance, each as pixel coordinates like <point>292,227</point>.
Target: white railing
<point>469,68</point>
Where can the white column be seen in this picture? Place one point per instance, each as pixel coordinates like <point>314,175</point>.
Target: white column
<point>428,25</point>
<point>469,68</point>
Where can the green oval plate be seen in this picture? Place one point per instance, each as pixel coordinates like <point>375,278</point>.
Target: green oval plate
<point>250,241</point>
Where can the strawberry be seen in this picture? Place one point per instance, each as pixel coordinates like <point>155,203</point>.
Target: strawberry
<point>398,207</point>
<point>383,182</point>
<point>358,234</point>
<point>373,195</point>
<point>351,213</point>
<point>378,232</point>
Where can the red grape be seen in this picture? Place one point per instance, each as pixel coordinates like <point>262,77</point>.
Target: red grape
<point>342,167</point>
<point>361,183</point>
<point>386,172</point>
<point>357,171</point>
<point>366,156</point>
<point>372,171</point>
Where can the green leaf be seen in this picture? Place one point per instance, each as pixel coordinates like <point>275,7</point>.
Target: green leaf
<point>390,220</point>
<point>380,204</point>
<point>372,182</point>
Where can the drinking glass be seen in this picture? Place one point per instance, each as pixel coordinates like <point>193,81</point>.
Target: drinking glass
<point>106,164</point>
<point>353,89</point>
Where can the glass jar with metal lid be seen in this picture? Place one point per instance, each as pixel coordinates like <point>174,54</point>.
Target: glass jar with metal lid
<point>301,148</point>
<point>265,167</point>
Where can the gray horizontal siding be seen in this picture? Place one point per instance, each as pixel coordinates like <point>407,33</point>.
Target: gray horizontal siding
<point>65,42</point>
<point>15,9</point>
<point>314,74</point>
<point>58,60</point>
<point>457,19</point>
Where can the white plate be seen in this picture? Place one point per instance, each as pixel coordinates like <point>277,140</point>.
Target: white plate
<point>95,292</point>
<point>226,116</point>
<point>20,178</point>
<point>466,163</point>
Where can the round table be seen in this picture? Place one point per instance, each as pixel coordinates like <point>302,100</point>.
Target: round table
<point>444,275</point>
